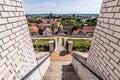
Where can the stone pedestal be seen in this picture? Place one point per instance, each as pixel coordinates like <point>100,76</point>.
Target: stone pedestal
<point>51,46</point>
<point>70,43</point>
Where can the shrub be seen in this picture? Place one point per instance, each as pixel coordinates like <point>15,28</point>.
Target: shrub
<point>80,45</point>
<point>42,44</point>
<point>62,41</point>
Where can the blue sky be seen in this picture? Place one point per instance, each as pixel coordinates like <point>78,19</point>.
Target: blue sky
<point>62,6</point>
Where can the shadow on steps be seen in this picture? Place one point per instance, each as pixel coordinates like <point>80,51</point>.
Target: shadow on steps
<point>69,73</point>
<point>61,71</point>
<point>63,53</point>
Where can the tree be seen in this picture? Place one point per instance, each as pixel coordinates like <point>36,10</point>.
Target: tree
<point>94,20</point>
<point>51,15</point>
<point>75,27</point>
<point>64,23</point>
<point>73,15</point>
<point>32,20</point>
<point>72,22</point>
<point>91,21</point>
<point>79,20</point>
<point>53,27</point>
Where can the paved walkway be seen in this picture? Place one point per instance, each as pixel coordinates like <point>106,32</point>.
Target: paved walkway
<point>61,65</point>
<point>60,54</point>
<point>60,46</point>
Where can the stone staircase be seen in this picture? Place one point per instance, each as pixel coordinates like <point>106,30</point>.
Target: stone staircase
<point>60,71</point>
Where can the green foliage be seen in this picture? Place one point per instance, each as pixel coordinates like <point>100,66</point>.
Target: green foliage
<point>72,22</point>
<point>53,27</point>
<point>57,39</point>
<point>42,44</point>
<point>80,45</point>
<point>64,23</point>
<point>51,15</point>
<point>68,22</point>
<point>79,20</point>
<point>91,21</point>
<point>73,15</point>
<point>32,20</point>
<point>62,41</point>
<point>76,27</point>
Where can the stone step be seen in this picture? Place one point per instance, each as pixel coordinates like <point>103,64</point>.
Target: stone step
<point>52,78</point>
<point>59,73</point>
<point>60,69</point>
<point>62,77</point>
<point>60,63</point>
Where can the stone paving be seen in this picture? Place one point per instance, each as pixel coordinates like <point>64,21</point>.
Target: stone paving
<point>60,54</point>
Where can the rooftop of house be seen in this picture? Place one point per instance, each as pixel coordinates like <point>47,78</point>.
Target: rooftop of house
<point>33,29</point>
<point>75,32</point>
<point>43,24</point>
<point>88,29</point>
<point>55,23</point>
<point>48,30</point>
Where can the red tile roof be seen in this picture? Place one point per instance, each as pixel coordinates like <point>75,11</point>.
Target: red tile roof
<point>33,29</point>
<point>88,29</point>
<point>76,32</point>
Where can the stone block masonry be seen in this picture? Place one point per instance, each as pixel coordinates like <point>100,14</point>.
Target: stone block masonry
<point>16,51</point>
<point>17,54</point>
<point>104,57</point>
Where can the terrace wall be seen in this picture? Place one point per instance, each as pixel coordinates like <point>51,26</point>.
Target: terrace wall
<point>104,58</point>
<point>16,51</point>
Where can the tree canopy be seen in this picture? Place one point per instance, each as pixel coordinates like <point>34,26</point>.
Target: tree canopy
<point>53,27</point>
<point>32,20</point>
<point>91,21</point>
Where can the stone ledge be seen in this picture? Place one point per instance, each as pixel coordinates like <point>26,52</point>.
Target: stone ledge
<point>81,56</point>
<point>41,55</point>
<point>70,42</point>
<point>51,42</point>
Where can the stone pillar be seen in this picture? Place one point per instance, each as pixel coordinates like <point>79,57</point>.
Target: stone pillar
<point>51,46</point>
<point>70,43</point>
